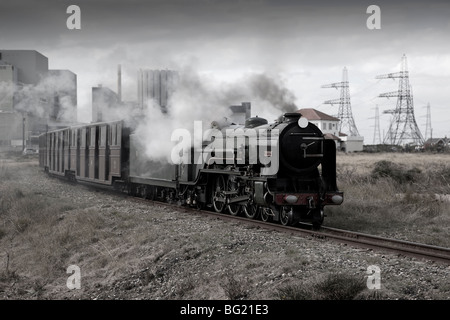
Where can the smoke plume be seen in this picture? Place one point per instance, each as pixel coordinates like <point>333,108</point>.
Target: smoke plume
<point>201,98</point>
<point>52,98</point>
<point>271,90</point>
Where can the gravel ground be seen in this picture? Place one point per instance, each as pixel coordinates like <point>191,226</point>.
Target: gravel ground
<point>132,250</point>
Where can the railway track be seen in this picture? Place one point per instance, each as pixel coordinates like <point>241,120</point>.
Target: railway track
<point>407,248</point>
<point>356,239</point>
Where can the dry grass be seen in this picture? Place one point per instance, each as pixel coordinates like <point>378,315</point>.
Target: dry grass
<point>403,195</point>
<point>334,286</point>
<point>127,250</point>
<point>51,237</point>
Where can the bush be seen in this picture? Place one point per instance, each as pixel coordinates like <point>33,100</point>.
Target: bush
<point>338,286</point>
<point>294,292</point>
<point>335,286</point>
<point>388,169</point>
<point>235,289</point>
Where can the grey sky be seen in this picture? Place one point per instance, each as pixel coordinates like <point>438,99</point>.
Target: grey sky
<point>306,43</point>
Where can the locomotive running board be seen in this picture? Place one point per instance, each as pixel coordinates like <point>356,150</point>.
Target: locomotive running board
<point>154,182</point>
<point>219,171</point>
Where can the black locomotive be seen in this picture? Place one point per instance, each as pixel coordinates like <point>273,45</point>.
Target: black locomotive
<point>284,171</point>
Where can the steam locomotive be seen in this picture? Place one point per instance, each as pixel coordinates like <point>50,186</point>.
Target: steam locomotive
<point>283,171</point>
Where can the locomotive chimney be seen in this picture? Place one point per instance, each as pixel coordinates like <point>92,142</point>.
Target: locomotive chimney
<point>292,116</point>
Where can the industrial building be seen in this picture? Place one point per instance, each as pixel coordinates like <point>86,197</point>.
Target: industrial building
<point>108,105</point>
<point>8,79</point>
<point>240,113</point>
<point>104,101</point>
<point>32,97</point>
<point>64,102</point>
<point>156,86</point>
<point>31,66</point>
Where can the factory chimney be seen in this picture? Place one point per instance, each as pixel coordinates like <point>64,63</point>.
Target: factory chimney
<point>119,82</point>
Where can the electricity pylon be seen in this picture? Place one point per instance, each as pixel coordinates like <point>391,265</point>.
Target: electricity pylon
<point>376,133</point>
<point>403,128</point>
<point>347,123</point>
<point>428,129</point>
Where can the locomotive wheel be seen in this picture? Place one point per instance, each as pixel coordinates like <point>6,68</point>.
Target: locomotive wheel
<point>266,213</point>
<point>286,216</point>
<point>218,199</point>
<point>317,219</point>
<point>200,205</point>
<point>251,210</point>
<point>234,208</point>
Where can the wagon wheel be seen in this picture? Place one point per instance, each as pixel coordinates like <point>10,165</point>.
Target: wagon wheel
<point>266,213</point>
<point>151,193</point>
<point>233,208</point>
<point>251,210</point>
<point>286,216</point>
<point>218,199</point>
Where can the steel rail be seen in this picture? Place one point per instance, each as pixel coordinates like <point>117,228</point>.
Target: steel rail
<point>415,249</point>
<point>357,239</point>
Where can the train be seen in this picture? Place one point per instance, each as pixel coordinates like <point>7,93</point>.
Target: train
<point>283,171</point>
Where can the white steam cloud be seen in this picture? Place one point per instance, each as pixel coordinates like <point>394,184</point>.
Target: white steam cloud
<point>201,98</point>
<point>54,97</point>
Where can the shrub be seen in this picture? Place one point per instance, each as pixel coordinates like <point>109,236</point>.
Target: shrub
<point>335,286</point>
<point>388,169</point>
<point>338,286</point>
<point>235,289</point>
<point>294,292</point>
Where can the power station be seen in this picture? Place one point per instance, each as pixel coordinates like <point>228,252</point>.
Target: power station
<point>32,97</point>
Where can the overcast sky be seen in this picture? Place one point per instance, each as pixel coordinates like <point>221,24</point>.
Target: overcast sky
<point>304,43</point>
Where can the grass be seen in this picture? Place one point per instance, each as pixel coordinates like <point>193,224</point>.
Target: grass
<point>5,171</point>
<point>235,289</point>
<point>394,194</point>
<point>36,233</point>
<point>127,250</point>
<point>39,222</point>
<point>334,286</point>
